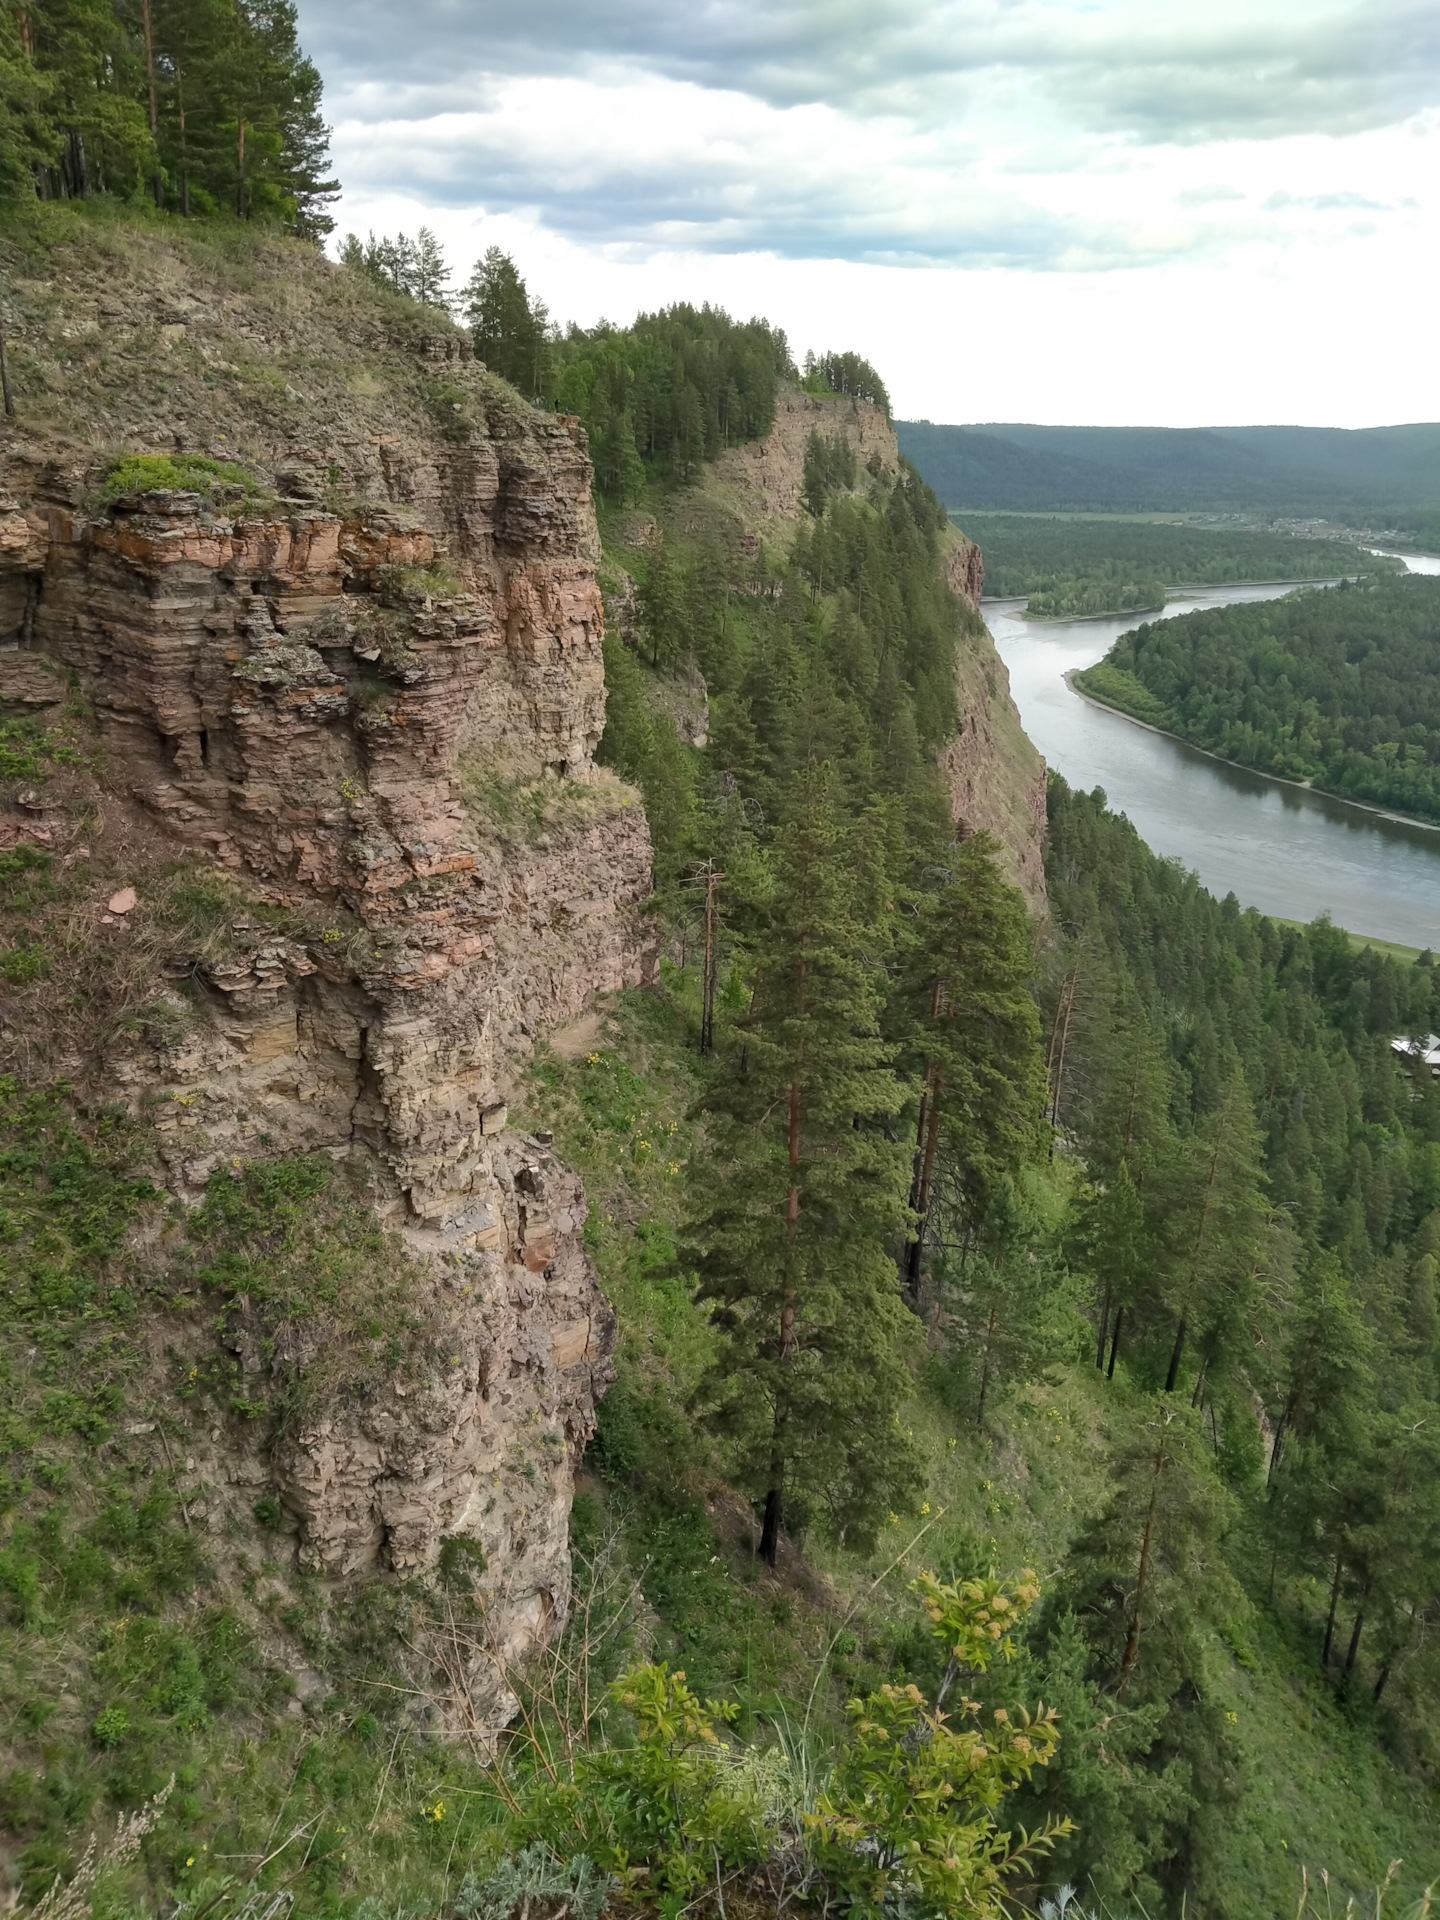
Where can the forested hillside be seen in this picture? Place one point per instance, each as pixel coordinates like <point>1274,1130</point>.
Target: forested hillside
<point>1380,477</point>
<point>1335,687</point>
<point>1075,565</point>
<point>204,106</point>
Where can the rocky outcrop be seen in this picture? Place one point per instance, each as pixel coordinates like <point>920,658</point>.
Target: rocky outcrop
<point>762,479</point>
<point>965,570</point>
<point>319,683</point>
<point>995,776</point>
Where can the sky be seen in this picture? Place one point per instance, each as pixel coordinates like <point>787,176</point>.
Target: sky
<point>1105,212</point>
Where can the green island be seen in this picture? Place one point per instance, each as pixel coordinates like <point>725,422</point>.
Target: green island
<point>1001,1474</point>
<point>1076,566</point>
<point>1335,687</point>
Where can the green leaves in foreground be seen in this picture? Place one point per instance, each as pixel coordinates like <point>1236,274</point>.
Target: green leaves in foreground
<point>903,1812</point>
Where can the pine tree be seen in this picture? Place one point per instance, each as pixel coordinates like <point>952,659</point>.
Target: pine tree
<point>973,1033</point>
<point>1223,1218</point>
<point>431,272</point>
<point>791,1241</point>
<point>510,329</point>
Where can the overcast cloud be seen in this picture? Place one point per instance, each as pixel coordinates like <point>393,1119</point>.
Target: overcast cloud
<point>1269,148</point>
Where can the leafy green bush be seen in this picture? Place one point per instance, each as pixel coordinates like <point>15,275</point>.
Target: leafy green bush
<point>673,1803</point>
<point>177,473</point>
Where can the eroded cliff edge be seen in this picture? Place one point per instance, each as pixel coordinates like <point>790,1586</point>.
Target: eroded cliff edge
<point>995,775</point>
<point>329,685</point>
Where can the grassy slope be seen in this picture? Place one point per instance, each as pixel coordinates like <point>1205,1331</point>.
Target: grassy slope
<point>1319,1791</point>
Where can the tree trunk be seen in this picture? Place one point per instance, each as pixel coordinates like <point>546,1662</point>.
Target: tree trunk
<point>1060,1063</point>
<point>1198,1394</point>
<point>1174,1374</point>
<point>770,1528</point>
<point>240,167</point>
<point>1381,1678</point>
<point>1132,1632</point>
<point>1354,1646</point>
<point>985,1370</point>
<point>149,36</point>
<point>1115,1343</point>
<point>1330,1619</point>
<point>1104,1329</point>
<point>927,1171</point>
<point>184,152</point>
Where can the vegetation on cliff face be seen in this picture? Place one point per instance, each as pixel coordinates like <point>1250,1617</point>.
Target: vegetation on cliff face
<point>1336,687</point>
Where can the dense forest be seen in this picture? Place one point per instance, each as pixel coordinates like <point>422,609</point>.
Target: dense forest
<point>203,106</point>
<point>1076,565</point>
<point>1228,1185</point>
<point>1337,687</point>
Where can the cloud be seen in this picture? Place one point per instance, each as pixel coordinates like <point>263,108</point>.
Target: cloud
<point>1182,70</point>
<point>1046,134</point>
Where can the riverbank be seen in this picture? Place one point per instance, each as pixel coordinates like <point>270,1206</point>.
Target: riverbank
<point>1300,786</point>
<point>1393,949</point>
<point>1143,613</point>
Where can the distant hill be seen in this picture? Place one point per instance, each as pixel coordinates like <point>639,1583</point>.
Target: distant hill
<point>1386,476</point>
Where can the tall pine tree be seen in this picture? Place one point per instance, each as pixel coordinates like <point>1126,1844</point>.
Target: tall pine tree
<point>792,1240</point>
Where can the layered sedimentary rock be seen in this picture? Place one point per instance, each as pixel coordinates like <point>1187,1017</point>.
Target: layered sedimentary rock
<point>324,700</point>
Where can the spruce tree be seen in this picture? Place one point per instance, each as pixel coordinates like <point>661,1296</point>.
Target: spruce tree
<point>973,1035</point>
<point>510,329</point>
<point>791,1239</point>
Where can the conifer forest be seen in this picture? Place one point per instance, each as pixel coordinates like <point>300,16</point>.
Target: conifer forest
<point>1005,1474</point>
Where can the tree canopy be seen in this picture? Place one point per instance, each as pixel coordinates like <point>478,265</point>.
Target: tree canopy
<point>1334,686</point>
<point>206,105</point>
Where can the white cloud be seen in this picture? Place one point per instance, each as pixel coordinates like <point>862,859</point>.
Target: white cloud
<point>1245,189</point>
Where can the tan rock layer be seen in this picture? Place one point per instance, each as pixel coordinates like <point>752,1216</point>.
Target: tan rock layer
<point>301,695</point>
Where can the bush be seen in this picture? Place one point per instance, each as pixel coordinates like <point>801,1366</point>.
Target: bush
<point>176,473</point>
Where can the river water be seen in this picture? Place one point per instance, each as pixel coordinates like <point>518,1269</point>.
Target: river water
<point>1289,852</point>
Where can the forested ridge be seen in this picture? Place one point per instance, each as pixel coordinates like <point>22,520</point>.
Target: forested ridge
<point>1019,1468</point>
<point>1336,687</point>
<point>1377,477</point>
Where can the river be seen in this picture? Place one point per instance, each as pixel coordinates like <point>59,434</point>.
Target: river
<point>1289,852</point>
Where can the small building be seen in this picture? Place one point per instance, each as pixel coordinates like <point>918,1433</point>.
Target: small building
<point>1416,1053</point>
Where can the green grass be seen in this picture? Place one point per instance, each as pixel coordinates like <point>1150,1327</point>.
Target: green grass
<point>178,472</point>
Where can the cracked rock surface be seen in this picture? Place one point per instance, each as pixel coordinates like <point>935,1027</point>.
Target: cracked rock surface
<point>316,685</point>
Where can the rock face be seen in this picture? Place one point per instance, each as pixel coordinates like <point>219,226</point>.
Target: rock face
<point>327,701</point>
<point>763,478</point>
<point>995,776</point>
<point>965,571</point>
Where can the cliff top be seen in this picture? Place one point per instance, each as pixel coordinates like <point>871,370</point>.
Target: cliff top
<point>126,337</point>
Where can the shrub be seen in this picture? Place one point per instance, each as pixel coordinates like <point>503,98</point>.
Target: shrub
<point>176,473</point>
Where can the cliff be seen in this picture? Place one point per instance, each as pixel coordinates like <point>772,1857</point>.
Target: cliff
<point>336,684</point>
<point>995,776</point>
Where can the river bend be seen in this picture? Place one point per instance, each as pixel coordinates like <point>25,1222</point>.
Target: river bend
<point>1280,848</point>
